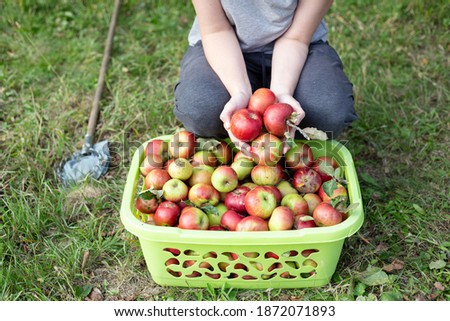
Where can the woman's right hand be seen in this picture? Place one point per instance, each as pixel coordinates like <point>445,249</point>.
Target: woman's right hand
<point>237,102</point>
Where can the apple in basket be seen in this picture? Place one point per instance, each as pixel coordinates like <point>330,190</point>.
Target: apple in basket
<point>182,144</point>
<point>167,214</point>
<point>175,190</point>
<point>193,218</point>
<point>260,201</point>
<point>224,179</point>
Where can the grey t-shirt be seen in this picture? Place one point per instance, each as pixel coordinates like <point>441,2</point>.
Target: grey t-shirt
<point>258,23</point>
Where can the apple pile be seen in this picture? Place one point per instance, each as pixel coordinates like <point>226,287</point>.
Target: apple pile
<point>196,183</point>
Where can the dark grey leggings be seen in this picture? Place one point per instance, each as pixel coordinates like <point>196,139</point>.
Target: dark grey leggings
<point>324,92</point>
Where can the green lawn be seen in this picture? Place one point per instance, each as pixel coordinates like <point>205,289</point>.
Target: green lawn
<point>58,243</point>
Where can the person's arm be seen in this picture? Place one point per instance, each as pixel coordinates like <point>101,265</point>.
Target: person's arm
<point>291,50</point>
<point>224,54</point>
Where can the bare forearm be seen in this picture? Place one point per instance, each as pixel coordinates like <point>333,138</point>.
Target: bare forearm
<point>291,50</point>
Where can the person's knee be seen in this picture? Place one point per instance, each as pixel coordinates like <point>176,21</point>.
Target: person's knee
<point>200,113</point>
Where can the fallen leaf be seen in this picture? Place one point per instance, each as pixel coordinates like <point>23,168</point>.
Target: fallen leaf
<point>95,295</point>
<point>439,264</point>
<point>395,265</point>
<point>373,276</point>
<point>439,286</point>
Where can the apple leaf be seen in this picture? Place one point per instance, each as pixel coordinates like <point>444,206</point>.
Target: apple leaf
<point>207,144</point>
<point>210,209</point>
<point>373,276</point>
<point>337,172</point>
<point>149,194</point>
<point>291,124</point>
<point>329,187</point>
<point>314,133</point>
<point>327,169</point>
<point>188,203</point>
<point>352,206</point>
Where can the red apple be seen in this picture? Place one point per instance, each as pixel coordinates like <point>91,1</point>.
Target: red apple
<point>340,192</point>
<point>266,149</point>
<point>167,214</point>
<point>203,157</point>
<point>276,118</point>
<point>192,218</point>
<point>157,147</point>
<point>326,215</point>
<point>235,200</point>
<point>275,192</point>
<point>296,203</point>
<point>313,200</point>
<point>282,218</point>
<point>252,223</point>
<point>304,221</point>
<point>306,180</point>
<point>250,185</point>
<point>216,228</point>
<point>146,204</point>
<point>223,153</point>
<point>182,144</point>
<point>180,168</point>
<point>261,99</point>
<point>267,175</point>
<point>175,190</point>
<point>230,219</point>
<point>260,201</point>
<point>150,163</point>
<point>201,174</point>
<point>246,125</point>
<point>224,179</point>
<point>324,161</point>
<point>299,156</point>
<point>203,194</point>
<point>156,179</point>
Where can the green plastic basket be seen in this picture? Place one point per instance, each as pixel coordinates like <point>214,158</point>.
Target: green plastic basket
<point>273,259</point>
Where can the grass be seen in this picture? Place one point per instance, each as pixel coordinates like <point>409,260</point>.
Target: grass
<point>59,243</point>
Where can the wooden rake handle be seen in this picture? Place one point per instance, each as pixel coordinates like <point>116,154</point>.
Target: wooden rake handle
<point>93,118</point>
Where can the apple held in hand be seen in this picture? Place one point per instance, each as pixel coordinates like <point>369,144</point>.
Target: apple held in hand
<point>267,175</point>
<point>282,219</point>
<point>156,179</point>
<point>326,215</point>
<point>167,214</point>
<point>182,144</point>
<point>260,201</point>
<point>252,224</point>
<point>235,200</point>
<point>299,156</point>
<point>193,218</point>
<point>276,118</point>
<point>224,179</point>
<point>261,99</point>
<point>175,190</point>
<point>266,149</point>
<point>306,180</point>
<point>202,194</point>
<point>246,125</point>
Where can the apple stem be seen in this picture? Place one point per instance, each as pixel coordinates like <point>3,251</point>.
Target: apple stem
<point>301,131</point>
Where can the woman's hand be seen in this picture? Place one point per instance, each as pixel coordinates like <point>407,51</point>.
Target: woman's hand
<point>237,102</point>
<point>288,99</point>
